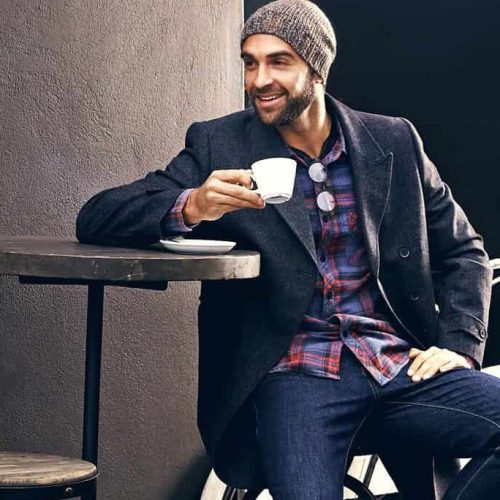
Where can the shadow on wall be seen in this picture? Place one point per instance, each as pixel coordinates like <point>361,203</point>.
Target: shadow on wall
<point>189,483</point>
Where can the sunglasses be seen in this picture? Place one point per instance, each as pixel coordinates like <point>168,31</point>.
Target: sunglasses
<point>325,200</point>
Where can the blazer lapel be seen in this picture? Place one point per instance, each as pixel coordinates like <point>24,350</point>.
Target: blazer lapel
<point>266,142</point>
<point>372,172</point>
<point>371,168</point>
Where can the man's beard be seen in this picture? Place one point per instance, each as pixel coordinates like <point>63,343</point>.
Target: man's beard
<point>292,109</point>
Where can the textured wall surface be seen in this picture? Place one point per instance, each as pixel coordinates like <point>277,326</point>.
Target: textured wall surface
<point>95,93</point>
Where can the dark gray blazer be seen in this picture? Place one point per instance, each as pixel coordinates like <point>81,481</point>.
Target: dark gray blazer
<point>422,252</point>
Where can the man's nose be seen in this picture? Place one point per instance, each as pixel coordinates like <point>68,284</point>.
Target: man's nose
<point>263,77</point>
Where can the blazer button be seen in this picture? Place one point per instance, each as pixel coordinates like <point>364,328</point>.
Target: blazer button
<point>482,333</point>
<point>415,295</point>
<point>404,252</point>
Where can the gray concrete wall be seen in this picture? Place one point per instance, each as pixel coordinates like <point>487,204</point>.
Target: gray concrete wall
<point>95,93</point>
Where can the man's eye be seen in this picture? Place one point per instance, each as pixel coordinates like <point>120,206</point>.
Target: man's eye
<point>248,63</point>
<point>280,62</point>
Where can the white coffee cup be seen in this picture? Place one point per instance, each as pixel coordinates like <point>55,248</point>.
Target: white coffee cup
<point>275,178</point>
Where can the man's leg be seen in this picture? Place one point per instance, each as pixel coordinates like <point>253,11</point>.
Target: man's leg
<point>455,413</point>
<point>305,427</point>
<point>412,472</point>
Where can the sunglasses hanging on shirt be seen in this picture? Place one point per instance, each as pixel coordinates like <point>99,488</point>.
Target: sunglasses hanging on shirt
<point>325,200</point>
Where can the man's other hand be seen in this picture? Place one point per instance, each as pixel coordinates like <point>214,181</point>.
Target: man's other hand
<point>427,363</point>
<point>224,191</point>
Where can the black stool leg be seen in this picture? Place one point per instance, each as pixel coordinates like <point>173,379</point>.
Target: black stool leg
<point>92,376</point>
<point>91,495</point>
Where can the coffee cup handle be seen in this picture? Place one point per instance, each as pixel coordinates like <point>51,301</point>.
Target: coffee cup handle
<point>256,190</point>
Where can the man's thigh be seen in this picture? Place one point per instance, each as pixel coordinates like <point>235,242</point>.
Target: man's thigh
<point>305,427</point>
<point>455,413</point>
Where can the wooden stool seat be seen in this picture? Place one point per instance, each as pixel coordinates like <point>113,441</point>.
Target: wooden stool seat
<point>38,469</point>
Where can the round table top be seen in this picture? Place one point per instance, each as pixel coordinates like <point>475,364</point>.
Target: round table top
<point>61,258</point>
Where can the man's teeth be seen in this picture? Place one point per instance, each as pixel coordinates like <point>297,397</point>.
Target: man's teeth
<point>269,98</point>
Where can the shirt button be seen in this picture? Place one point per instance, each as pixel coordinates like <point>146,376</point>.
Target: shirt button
<point>404,252</point>
<point>324,219</point>
<point>329,295</point>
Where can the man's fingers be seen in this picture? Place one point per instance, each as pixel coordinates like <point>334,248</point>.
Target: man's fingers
<point>221,199</point>
<point>427,363</point>
<point>217,210</point>
<point>234,176</point>
<point>426,373</point>
<point>235,191</point>
<point>419,361</point>
<point>431,366</point>
<point>414,352</point>
<point>432,350</point>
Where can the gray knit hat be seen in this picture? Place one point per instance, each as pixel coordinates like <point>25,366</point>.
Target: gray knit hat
<point>301,24</point>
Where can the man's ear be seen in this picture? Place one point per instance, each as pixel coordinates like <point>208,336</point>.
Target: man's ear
<point>317,78</point>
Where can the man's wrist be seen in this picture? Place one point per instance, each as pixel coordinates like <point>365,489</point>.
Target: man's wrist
<point>469,360</point>
<point>189,213</point>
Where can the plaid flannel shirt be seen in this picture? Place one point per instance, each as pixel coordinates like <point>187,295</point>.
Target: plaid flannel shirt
<point>346,307</point>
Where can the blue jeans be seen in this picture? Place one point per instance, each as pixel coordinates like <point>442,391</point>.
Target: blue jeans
<point>307,425</point>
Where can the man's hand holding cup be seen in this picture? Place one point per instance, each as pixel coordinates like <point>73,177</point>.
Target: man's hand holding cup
<point>224,191</point>
<point>229,190</point>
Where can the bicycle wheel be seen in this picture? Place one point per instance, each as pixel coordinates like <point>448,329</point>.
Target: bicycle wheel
<point>358,488</point>
<point>353,485</point>
<point>215,489</point>
<point>235,494</point>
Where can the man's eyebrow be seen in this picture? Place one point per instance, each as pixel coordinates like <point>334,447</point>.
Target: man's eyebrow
<point>281,53</point>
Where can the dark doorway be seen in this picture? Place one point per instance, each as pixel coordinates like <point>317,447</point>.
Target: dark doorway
<point>435,63</point>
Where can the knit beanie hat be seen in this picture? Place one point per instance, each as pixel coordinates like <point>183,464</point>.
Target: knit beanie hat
<point>300,23</point>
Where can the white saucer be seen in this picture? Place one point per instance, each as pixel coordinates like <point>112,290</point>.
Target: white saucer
<point>191,246</point>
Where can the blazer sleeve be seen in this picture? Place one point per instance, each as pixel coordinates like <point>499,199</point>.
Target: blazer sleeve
<point>460,265</point>
<point>132,214</point>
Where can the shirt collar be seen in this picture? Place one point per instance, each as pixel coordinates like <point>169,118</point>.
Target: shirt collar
<point>332,149</point>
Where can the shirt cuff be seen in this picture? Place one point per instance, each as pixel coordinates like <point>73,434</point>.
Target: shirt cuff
<point>173,222</point>
<point>470,360</point>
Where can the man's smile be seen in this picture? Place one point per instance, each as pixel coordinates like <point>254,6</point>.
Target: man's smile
<point>268,101</point>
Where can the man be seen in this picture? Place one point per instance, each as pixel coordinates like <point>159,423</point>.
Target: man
<point>340,336</point>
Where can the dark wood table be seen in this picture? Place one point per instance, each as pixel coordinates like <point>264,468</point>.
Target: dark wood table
<point>37,260</point>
